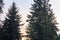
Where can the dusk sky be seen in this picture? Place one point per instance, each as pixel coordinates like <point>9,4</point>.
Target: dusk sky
<point>25,5</point>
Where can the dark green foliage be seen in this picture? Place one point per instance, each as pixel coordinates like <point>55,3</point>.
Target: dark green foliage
<point>4,32</point>
<point>58,38</point>
<point>42,23</point>
<point>11,25</point>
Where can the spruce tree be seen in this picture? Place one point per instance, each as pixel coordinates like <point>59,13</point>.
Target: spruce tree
<point>58,37</point>
<point>42,23</point>
<point>12,24</point>
<point>1,5</point>
<point>4,32</point>
<point>1,11</point>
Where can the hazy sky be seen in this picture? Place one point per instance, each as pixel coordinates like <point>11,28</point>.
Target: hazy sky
<point>25,5</point>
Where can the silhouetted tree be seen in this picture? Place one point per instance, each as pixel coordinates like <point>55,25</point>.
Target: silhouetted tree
<point>1,11</point>
<point>12,25</point>
<point>1,5</point>
<point>42,23</point>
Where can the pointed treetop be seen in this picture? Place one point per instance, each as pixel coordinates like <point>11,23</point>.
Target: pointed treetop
<point>14,4</point>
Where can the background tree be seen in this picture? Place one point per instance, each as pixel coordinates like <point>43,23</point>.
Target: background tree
<point>12,25</point>
<point>58,37</point>
<point>1,11</point>
<point>1,5</point>
<point>42,23</point>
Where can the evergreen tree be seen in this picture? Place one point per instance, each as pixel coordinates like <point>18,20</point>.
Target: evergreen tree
<point>1,11</point>
<point>1,5</point>
<point>4,32</point>
<point>42,23</point>
<point>11,26</point>
<point>58,37</point>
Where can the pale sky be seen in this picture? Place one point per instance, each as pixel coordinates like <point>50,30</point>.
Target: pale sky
<point>25,5</point>
<point>56,9</point>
